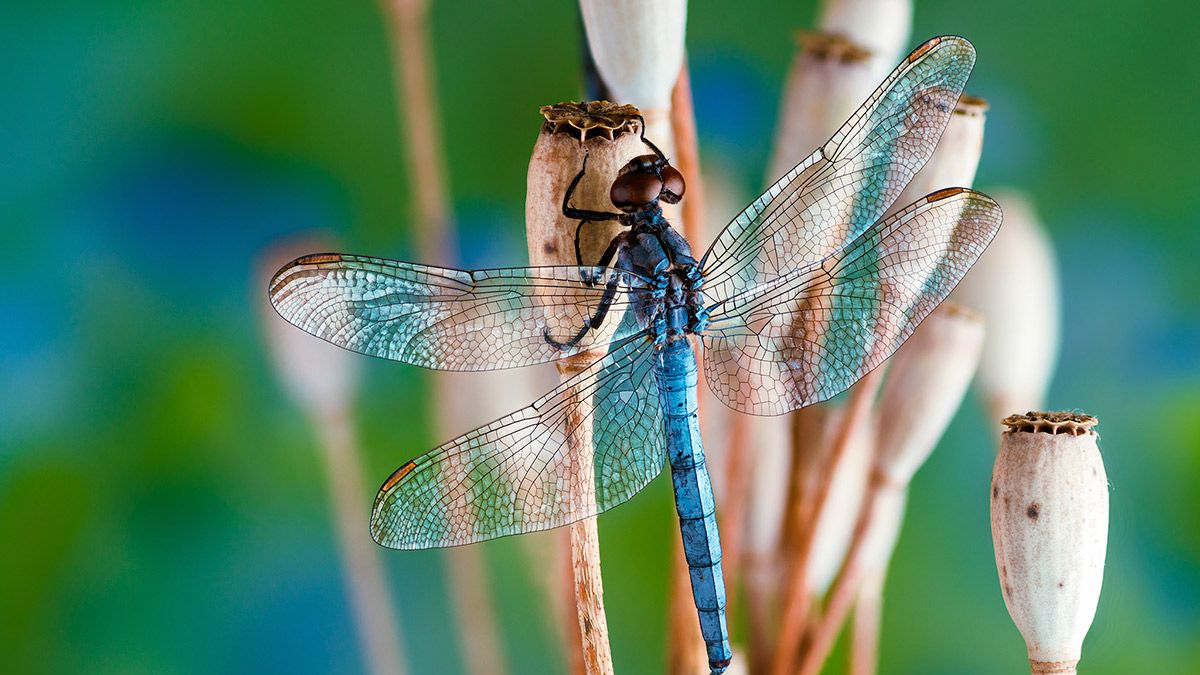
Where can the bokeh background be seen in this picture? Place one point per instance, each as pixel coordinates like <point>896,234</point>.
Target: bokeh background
<point>162,504</point>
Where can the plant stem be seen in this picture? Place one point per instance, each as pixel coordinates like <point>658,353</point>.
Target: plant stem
<point>366,584</point>
<point>412,77</point>
<point>864,649</point>
<point>797,595</point>
<point>433,233</point>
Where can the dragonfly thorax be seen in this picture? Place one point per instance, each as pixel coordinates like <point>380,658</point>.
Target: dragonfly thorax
<point>675,307</point>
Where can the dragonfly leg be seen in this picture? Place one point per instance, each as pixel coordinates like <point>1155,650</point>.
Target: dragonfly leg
<point>657,152</point>
<point>589,276</point>
<point>581,214</point>
<point>606,301</point>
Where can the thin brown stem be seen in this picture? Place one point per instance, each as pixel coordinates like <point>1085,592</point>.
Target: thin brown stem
<point>843,592</point>
<point>416,100</point>
<point>687,156</point>
<point>685,647</point>
<point>585,538</point>
<point>366,584</point>
<point>797,594</point>
<point>864,649</point>
<point>413,80</point>
<point>566,609</point>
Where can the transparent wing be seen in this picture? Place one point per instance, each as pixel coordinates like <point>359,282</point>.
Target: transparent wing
<point>844,187</point>
<point>520,473</point>
<point>810,334</point>
<point>451,319</point>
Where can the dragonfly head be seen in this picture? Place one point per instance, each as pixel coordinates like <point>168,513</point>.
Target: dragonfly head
<point>643,181</point>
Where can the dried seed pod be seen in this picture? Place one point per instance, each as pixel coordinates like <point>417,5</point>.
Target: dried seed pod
<point>1049,508</point>
<point>927,380</point>
<point>956,158</point>
<point>638,50</point>
<point>829,77</point>
<point>608,135</point>
<point>1015,286</point>
<point>880,26</point>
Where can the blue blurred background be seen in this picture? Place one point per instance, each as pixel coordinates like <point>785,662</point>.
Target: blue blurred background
<point>162,506</point>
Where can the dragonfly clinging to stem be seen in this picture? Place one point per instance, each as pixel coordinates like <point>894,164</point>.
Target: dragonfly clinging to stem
<point>805,291</point>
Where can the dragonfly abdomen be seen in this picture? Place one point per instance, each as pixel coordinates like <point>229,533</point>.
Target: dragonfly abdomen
<point>694,497</point>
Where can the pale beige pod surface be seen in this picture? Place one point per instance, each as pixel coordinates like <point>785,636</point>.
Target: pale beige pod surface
<point>1049,506</point>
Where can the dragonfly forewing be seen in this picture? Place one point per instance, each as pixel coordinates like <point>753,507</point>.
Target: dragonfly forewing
<point>451,319</point>
<point>847,184</point>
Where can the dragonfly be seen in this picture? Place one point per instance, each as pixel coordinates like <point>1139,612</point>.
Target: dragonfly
<point>809,288</point>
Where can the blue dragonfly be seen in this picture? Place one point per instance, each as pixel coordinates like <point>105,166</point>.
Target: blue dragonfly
<point>805,291</point>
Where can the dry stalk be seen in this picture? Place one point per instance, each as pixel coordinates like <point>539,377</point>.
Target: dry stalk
<point>365,577</point>
<point>585,539</point>
<point>797,595</point>
<point>608,135</point>
<point>412,74</point>
<point>687,157</point>
<point>927,380</point>
<point>902,406</point>
<point>433,233</point>
<point>868,611</point>
<point>322,379</point>
<point>826,80</point>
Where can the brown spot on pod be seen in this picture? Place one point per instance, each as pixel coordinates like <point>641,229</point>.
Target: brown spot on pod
<point>1033,511</point>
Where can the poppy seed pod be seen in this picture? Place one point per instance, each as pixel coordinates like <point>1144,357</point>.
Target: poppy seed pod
<point>880,26</point>
<point>1049,499</point>
<point>956,158</point>
<point>829,76</point>
<point>604,133</point>
<point>1015,286</point>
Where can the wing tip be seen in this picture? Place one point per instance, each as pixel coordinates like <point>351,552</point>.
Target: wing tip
<point>318,259</point>
<point>928,46</point>
<point>279,279</point>
<point>945,193</point>
<point>397,476</point>
<point>378,527</point>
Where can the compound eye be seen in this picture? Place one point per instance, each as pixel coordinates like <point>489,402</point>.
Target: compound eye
<point>673,185</point>
<point>634,190</point>
<point>639,164</point>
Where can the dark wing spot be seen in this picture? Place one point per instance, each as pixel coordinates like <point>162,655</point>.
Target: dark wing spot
<point>1033,511</point>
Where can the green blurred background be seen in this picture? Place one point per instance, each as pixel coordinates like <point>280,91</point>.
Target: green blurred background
<point>162,504</point>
